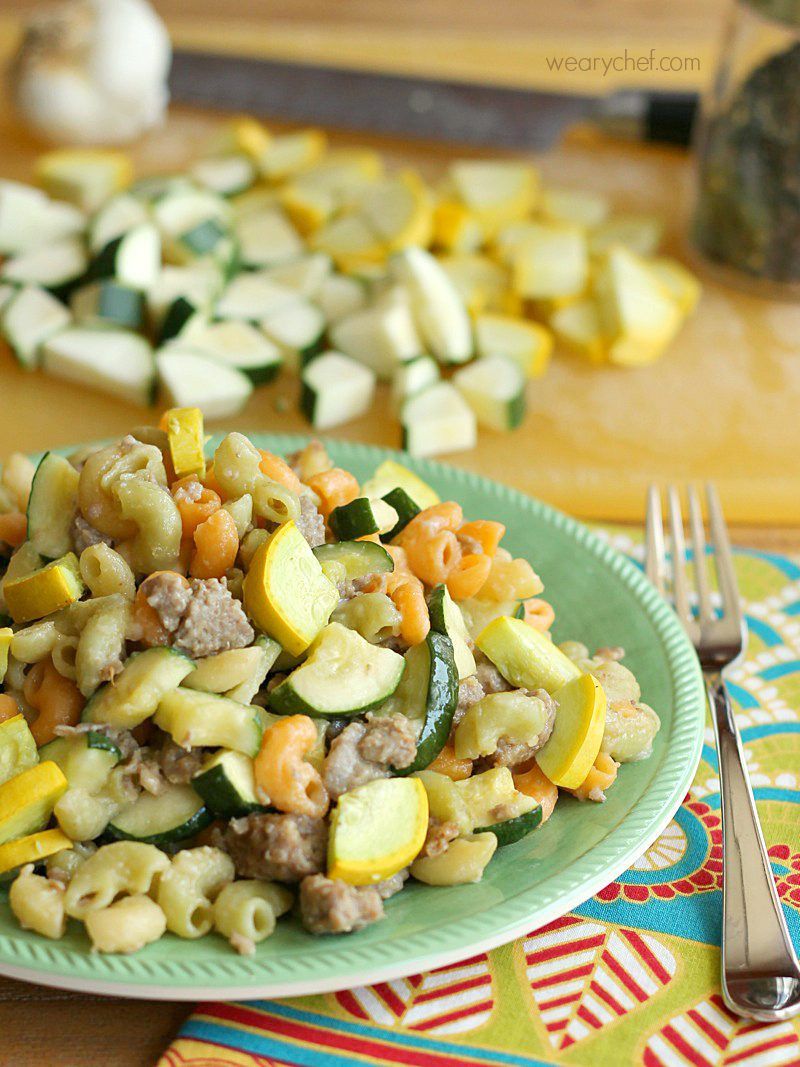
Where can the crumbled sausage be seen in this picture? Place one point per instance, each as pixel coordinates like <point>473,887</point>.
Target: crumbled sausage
<point>439,836</point>
<point>389,886</point>
<point>179,765</point>
<point>364,751</point>
<point>351,587</point>
<point>84,535</point>
<point>283,848</point>
<point>123,739</point>
<point>470,691</point>
<point>310,523</point>
<point>213,622</point>
<point>488,675</point>
<point>169,595</point>
<point>328,906</point>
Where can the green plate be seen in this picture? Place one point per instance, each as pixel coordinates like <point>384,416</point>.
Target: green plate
<point>601,599</point>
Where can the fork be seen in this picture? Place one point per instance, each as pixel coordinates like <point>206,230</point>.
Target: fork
<point>760,970</point>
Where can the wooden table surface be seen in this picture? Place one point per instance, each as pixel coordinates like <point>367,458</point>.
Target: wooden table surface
<point>463,39</point>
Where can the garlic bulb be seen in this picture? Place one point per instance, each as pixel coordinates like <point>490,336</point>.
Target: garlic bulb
<point>93,71</point>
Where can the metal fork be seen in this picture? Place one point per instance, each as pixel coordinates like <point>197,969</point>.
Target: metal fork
<point>760,969</point>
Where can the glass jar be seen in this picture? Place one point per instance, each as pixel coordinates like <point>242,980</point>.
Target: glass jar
<point>747,215</point>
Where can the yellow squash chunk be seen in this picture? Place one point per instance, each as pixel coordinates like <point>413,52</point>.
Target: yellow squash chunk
<point>639,233</point>
<point>552,261</point>
<point>683,286</point>
<point>45,590</point>
<point>32,849</point>
<point>184,428</point>
<point>307,206</point>
<point>377,829</point>
<point>87,177</point>
<point>290,153</point>
<point>286,593</point>
<point>351,242</point>
<point>398,210</point>
<point>455,228</point>
<point>27,799</point>
<point>577,327</point>
<point>390,475</point>
<point>576,206</point>
<point>496,191</point>
<point>525,657</point>
<point>242,134</point>
<point>481,283</point>
<point>528,344</point>
<point>570,751</point>
<point>6,633</point>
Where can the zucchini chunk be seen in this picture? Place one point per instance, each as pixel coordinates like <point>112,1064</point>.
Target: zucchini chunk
<point>359,558</point>
<point>513,829</point>
<point>267,238</point>
<point>55,266</point>
<point>133,259</point>
<point>225,175</point>
<point>171,816</point>
<point>439,311</point>
<point>381,336</point>
<point>343,675</point>
<point>412,377</point>
<point>51,505</point>
<point>335,389</point>
<point>29,318</point>
<point>108,303</point>
<point>226,783</point>
<point>117,362</point>
<point>446,618</point>
<point>180,317</point>
<point>494,387</point>
<point>191,379</point>
<point>135,693</point>
<point>239,345</point>
<point>340,295</point>
<point>29,219</point>
<point>438,420</point>
<point>196,720</point>
<point>405,507</point>
<point>253,297</point>
<point>298,329</point>
<point>115,218</point>
<point>362,517</point>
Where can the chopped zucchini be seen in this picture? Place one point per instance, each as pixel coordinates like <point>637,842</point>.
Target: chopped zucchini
<point>172,816</point>
<point>109,304</point>
<point>225,175</point>
<point>335,389</point>
<point>51,505</point>
<point>513,829</point>
<point>358,558</point>
<point>267,238</point>
<point>339,296</point>
<point>405,507</point>
<point>362,517</point>
<point>17,748</point>
<point>390,475</point>
<point>116,217</point>
<point>430,695</point>
<point>494,387</point>
<point>133,259</point>
<point>297,328</point>
<point>446,618</point>
<point>382,336</point>
<point>253,297</point>
<point>29,219</point>
<point>198,284</point>
<point>191,379</point>
<point>28,319</point>
<point>55,266</point>
<point>438,420</point>
<point>413,377</point>
<point>246,690</point>
<point>136,692</point>
<point>226,783</point>
<point>440,313</point>
<point>305,275</point>
<point>343,675</point>
<point>27,799</point>
<point>184,209</point>
<point>239,345</point>
<point>183,316</point>
<point>196,720</point>
<point>117,362</point>
<point>226,670</point>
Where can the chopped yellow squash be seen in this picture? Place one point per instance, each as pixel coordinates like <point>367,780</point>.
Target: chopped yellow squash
<point>524,656</point>
<point>86,177</point>
<point>45,590</point>
<point>350,242</point>
<point>184,428</point>
<point>577,327</point>
<point>683,286</point>
<point>27,799</point>
<point>455,228</point>
<point>577,206</point>
<point>569,753</point>
<point>481,283</point>
<point>552,261</point>
<point>308,206</point>
<point>639,233</point>
<point>242,134</point>
<point>398,210</point>
<point>496,191</point>
<point>291,153</point>
<point>528,344</point>
<point>6,633</point>
<point>391,475</point>
<point>32,848</point>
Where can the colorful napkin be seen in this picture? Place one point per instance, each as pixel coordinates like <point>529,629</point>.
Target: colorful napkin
<point>630,977</point>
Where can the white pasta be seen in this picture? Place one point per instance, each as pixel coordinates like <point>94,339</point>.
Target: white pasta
<point>83,816</point>
<point>249,909</point>
<point>250,545</point>
<point>464,861</point>
<point>15,676</point>
<point>101,647</point>
<point>38,903</point>
<point>241,511</point>
<point>34,643</point>
<point>123,867</point>
<point>187,890</point>
<point>106,572</point>
<point>373,615</point>
<point>237,469</point>
<point>156,544</point>
<point>64,655</point>
<point>104,471</point>
<point>126,925</point>
<point>17,477</point>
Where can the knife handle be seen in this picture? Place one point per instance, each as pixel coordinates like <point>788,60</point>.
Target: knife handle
<point>659,118</point>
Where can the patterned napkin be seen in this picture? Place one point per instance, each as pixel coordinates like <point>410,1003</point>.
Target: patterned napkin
<point>632,976</point>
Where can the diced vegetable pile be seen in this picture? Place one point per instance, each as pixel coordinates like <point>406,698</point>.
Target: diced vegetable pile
<point>275,251</point>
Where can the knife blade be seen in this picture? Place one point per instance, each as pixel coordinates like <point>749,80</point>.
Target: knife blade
<point>422,108</point>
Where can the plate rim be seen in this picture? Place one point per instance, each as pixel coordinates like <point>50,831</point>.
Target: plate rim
<point>47,963</point>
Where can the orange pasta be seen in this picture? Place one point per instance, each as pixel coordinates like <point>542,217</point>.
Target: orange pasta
<point>445,516</point>
<point>216,544</point>
<point>446,763</point>
<point>334,488</point>
<point>195,502</point>
<point>409,599</point>
<point>13,528</point>
<point>210,482</point>
<point>151,630</point>
<point>486,532</point>
<point>468,577</point>
<point>600,777</point>
<point>8,707</point>
<point>279,471</point>
<point>57,699</point>
<point>434,558</point>
<point>283,777</point>
<point>534,783</point>
<point>539,614</point>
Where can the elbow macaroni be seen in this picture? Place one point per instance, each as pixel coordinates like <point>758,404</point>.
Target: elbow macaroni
<point>189,887</point>
<point>106,572</point>
<point>38,903</point>
<point>34,643</point>
<point>250,909</point>
<point>128,867</point>
<point>126,925</point>
<point>156,543</point>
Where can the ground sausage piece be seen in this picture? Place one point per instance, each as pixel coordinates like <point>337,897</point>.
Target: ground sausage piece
<point>470,691</point>
<point>169,595</point>
<point>439,836</point>
<point>310,523</point>
<point>392,885</point>
<point>328,906</point>
<point>364,751</point>
<point>214,621</point>
<point>351,587</point>
<point>84,535</point>
<point>283,848</point>
<point>180,765</point>
<point>488,675</point>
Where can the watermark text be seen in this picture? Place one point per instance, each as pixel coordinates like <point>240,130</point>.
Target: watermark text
<point>640,63</point>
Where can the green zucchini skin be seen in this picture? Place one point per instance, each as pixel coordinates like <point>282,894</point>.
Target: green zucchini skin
<point>221,793</point>
<point>519,612</point>
<point>406,510</point>
<point>97,739</point>
<point>440,704</point>
<point>351,521</point>
<point>199,821</point>
<point>178,314</point>
<point>514,829</point>
<point>359,557</point>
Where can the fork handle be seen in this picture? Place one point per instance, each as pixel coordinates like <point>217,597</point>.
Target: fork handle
<point>754,933</point>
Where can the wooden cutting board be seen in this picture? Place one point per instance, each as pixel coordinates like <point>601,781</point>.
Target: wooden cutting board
<point>722,403</point>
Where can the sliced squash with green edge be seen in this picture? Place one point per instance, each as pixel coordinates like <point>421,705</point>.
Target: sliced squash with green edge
<point>17,748</point>
<point>362,517</point>
<point>390,475</point>
<point>570,751</point>
<point>27,799</point>
<point>136,692</point>
<point>51,505</point>
<point>405,507</point>
<point>515,829</point>
<point>199,720</point>
<point>376,830</point>
<point>226,784</point>
<point>226,670</point>
<point>286,593</point>
<point>446,618</point>
<point>359,558</point>
<point>343,675</point>
<point>172,816</point>
<point>525,658</point>
<point>86,760</point>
